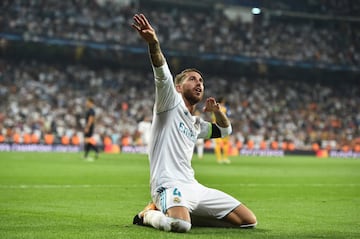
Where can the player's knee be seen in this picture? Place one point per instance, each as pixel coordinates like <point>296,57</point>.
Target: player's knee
<point>249,223</point>
<point>253,220</point>
<point>178,225</point>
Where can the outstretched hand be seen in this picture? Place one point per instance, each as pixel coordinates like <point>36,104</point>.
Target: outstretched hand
<point>211,105</point>
<point>143,27</point>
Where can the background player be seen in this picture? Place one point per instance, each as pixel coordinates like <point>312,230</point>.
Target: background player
<point>222,145</point>
<point>174,189</point>
<point>200,142</point>
<point>89,129</point>
<point>144,128</point>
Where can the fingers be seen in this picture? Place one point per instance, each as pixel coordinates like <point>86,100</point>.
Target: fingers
<point>210,100</point>
<point>140,19</point>
<point>144,19</point>
<point>211,105</point>
<point>143,27</point>
<point>137,23</point>
<point>136,27</point>
<point>140,22</point>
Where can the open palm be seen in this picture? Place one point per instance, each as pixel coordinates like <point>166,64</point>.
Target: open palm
<point>142,25</point>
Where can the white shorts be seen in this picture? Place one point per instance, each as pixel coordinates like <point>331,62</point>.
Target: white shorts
<point>200,200</point>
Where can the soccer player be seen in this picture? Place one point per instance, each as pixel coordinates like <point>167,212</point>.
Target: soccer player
<point>144,128</point>
<point>89,129</point>
<point>200,144</point>
<point>176,195</point>
<point>222,145</point>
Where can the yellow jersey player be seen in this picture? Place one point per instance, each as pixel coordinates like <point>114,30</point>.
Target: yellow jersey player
<point>222,145</point>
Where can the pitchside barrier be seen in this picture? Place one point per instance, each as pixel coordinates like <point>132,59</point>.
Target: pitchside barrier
<point>143,150</point>
<point>40,148</point>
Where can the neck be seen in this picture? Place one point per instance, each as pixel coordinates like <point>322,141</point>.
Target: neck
<point>190,103</point>
<point>190,107</point>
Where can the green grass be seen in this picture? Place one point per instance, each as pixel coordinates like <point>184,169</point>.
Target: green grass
<point>58,195</point>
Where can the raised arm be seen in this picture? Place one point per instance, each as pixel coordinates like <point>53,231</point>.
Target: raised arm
<point>222,126</point>
<point>147,32</point>
<point>220,117</point>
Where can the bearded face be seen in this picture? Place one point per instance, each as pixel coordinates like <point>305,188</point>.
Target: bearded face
<point>192,88</point>
<point>193,97</point>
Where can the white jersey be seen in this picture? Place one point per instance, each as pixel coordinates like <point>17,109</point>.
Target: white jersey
<point>174,134</point>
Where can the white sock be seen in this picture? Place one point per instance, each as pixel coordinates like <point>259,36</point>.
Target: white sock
<point>160,221</point>
<point>157,219</point>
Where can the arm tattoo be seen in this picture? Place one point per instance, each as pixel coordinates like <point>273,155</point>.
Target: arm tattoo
<point>157,58</point>
<point>221,119</point>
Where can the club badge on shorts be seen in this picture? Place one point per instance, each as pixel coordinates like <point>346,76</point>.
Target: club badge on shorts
<point>177,200</point>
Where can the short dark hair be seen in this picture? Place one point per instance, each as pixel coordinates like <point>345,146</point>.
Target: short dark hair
<point>180,77</point>
<point>91,100</point>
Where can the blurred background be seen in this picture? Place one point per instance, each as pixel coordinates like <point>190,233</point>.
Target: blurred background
<point>289,70</point>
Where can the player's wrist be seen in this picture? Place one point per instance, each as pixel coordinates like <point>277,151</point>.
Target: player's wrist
<point>154,41</point>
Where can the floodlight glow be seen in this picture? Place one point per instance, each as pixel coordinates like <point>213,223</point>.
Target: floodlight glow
<point>255,11</point>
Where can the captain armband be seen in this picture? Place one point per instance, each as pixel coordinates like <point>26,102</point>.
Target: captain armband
<point>220,132</point>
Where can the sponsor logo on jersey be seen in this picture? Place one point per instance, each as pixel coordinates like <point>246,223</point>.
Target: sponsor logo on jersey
<point>187,132</point>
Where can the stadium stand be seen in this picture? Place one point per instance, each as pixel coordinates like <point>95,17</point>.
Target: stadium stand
<point>302,39</point>
<point>43,88</point>
<point>291,111</point>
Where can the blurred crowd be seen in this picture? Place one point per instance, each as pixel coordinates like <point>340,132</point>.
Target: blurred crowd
<point>327,7</point>
<point>189,30</point>
<point>43,98</point>
<point>40,98</point>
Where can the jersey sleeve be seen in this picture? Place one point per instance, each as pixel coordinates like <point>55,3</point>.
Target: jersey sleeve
<point>205,129</point>
<point>166,96</point>
<point>211,130</point>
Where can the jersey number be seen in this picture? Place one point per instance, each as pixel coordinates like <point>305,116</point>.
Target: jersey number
<point>177,192</point>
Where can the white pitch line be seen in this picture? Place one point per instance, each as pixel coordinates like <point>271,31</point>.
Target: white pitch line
<point>290,185</point>
<point>70,186</point>
<point>57,186</point>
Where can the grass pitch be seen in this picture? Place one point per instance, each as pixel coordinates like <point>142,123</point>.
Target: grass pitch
<point>59,195</point>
